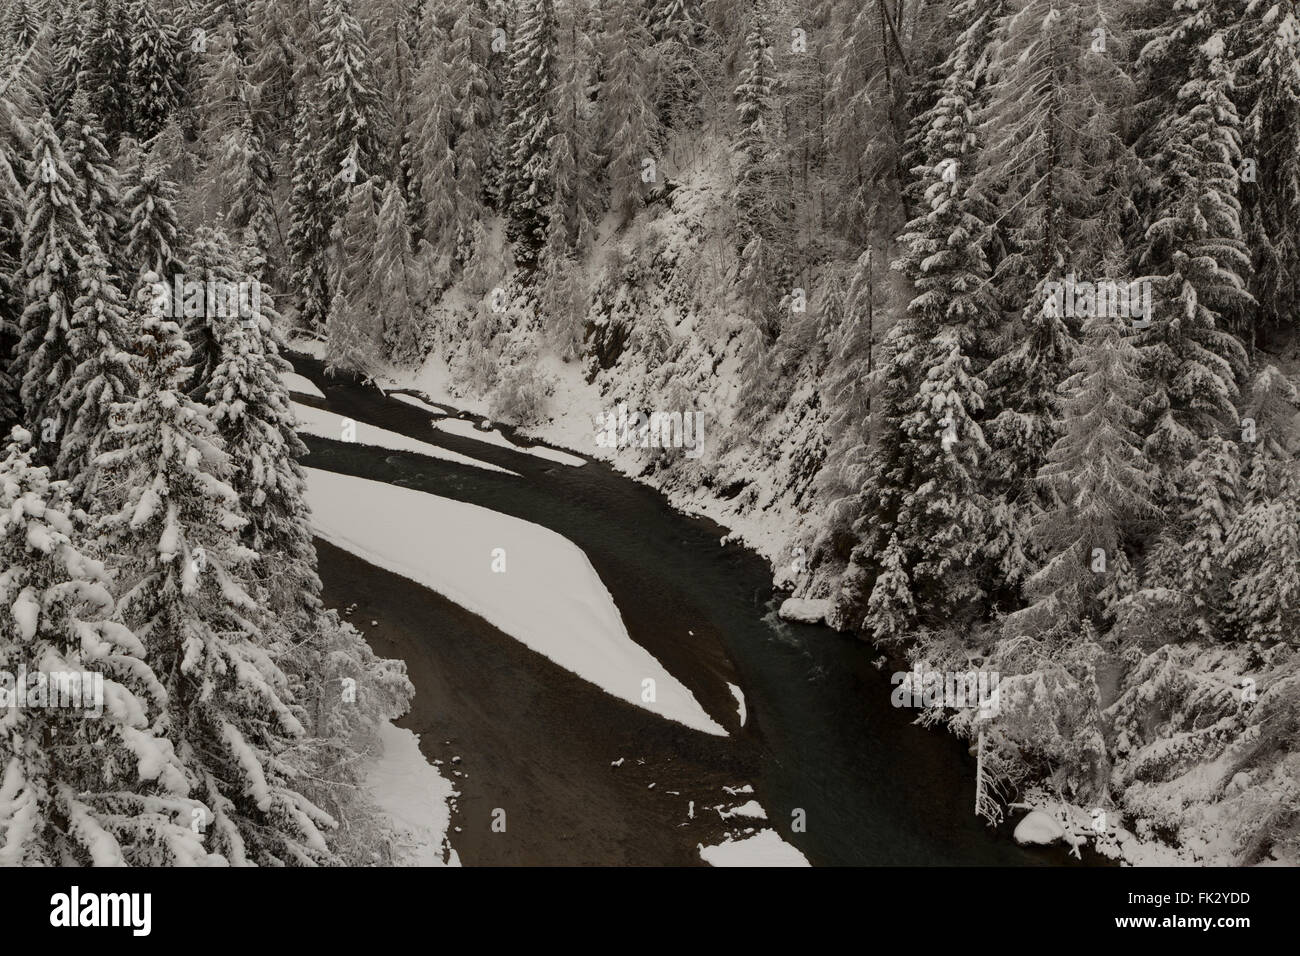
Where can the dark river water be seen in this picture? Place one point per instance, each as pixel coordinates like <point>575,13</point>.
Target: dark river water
<point>821,735</point>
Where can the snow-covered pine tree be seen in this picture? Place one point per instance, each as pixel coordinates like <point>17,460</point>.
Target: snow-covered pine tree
<point>530,108</point>
<point>1053,153</point>
<point>473,111</point>
<point>629,120</point>
<point>77,791</point>
<point>398,280</point>
<point>757,189</point>
<point>847,314</point>
<point>760,282</point>
<point>942,521</point>
<point>245,178</point>
<point>678,20</point>
<point>13,213</point>
<point>55,242</point>
<point>68,70</point>
<point>890,611</point>
<point>866,119</point>
<point>1262,552</point>
<point>107,57</point>
<point>102,377</point>
<point>19,27</point>
<point>562,291</point>
<point>251,409</point>
<point>274,51</point>
<point>150,242</point>
<point>226,97</point>
<point>434,160</point>
<point>351,146</point>
<point>107,67</point>
<point>228,710</point>
<point>1267,34</point>
<point>155,70</point>
<point>354,328</point>
<point>310,221</point>
<point>1194,247</point>
<point>1185,584</point>
<point>1263,556</point>
<point>576,199</point>
<point>1099,489</point>
<point>925,487</point>
<point>212,258</point>
<point>95,176</point>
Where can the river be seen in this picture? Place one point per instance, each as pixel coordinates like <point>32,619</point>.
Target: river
<point>515,731</point>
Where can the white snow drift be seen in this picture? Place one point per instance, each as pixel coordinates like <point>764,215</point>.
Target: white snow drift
<point>764,848</point>
<point>301,384</point>
<point>548,597</point>
<point>414,796</point>
<point>458,426</point>
<point>323,424</point>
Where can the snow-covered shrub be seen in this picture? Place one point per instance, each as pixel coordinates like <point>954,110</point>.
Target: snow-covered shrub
<point>520,397</point>
<point>347,692</point>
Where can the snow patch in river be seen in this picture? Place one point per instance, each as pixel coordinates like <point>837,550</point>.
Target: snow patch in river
<point>750,808</point>
<point>465,429</point>
<point>414,796</point>
<point>804,610</point>
<point>737,693</point>
<point>764,848</point>
<point>416,402</point>
<point>323,424</point>
<point>549,597</point>
<point>300,383</point>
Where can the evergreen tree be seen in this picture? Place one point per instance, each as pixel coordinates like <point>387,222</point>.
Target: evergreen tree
<point>397,280</point>
<point>943,523</point>
<point>562,292</point>
<point>628,115</point>
<point>150,242</point>
<point>431,146</point>
<point>107,67</point>
<point>228,711</point>
<point>575,202</point>
<point>252,412</point>
<point>473,111</point>
<point>1194,245</point>
<point>275,49</point>
<point>69,68</point>
<point>351,138</point>
<point>1263,554</point>
<point>891,612</point>
<point>101,380</point>
<point>847,316</point>
<point>1099,486</point>
<point>1186,584</point>
<point>55,241</point>
<point>155,71</point>
<point>354,329</point>
<point>212,260</point>
<point>1054,155</point>
<point>77,791</point>
<point>310,221</point>
<point>756,191</point>
<point>1268,35</point>
<point>13,214</point>
<point>96,178</point>
<point>530,110</point>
